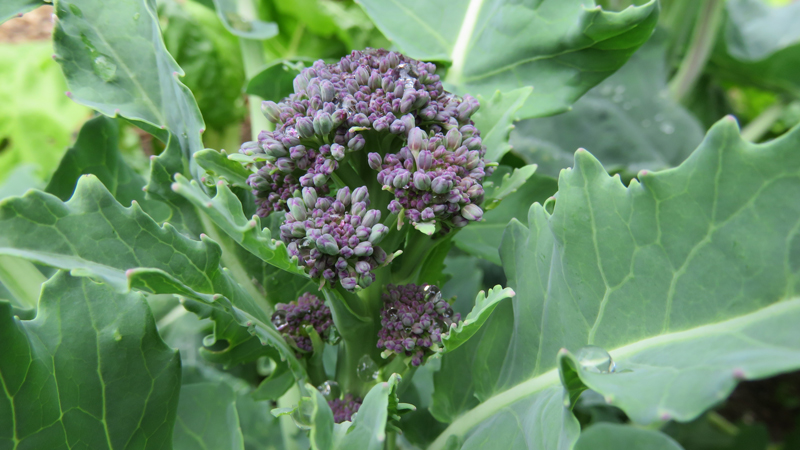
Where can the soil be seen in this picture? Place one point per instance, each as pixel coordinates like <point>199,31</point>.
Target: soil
<point>36,25</point>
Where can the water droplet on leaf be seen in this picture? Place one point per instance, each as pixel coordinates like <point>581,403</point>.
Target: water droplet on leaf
<point>265,366</point>
<point>595,359</point>
<point>432,293</point>
<point>209,340</point>
<point>136,16</point>
<point>302,415</point>
<point>366,369</point>
<point>279,319</point>
<point>448,312</point>
<point>330,390</point>
<point>667,128</point>
<point>117,335</point>
<point>104,68</point>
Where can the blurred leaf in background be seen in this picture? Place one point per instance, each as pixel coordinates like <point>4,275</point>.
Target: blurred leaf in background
<point>37,121</point>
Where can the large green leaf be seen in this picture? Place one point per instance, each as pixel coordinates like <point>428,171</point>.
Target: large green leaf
<point>89,371</point>
<point>627,121</point>
<point>36,120</point>
<point>607,436</point>
<point>655,272</point>
<point>208,418</point>
<point>495,117</point>
<point>240,19</point>
<point>93,235</point>
<point>755,30</point>
<point>560,47</point>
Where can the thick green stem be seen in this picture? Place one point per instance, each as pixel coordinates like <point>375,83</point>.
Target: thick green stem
<point>22,280</point>
<point>391,440</point>
<point>418,245</point>
<point>288,429</point>
<point>703,38</point>
<point>253,57</point>
<point>759,126</point>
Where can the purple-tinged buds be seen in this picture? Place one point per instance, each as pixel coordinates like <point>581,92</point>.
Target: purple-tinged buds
<point>467,108</point>
<point>360,120</point>
<point>344,195</point>
<point>425,160</point>
<point>327,91</point>
<point>349,283</point>
<point>290,319</point>
<point>275,149</point>
<point>300,83</point>
<point>379,231</point>
<point>337,151</point>
<point>357,143</point>
<point>441,185</point>
<point>271,111</point>
<point>427,214</point>
<point>285,165</point>
<point>309,197</point>
<point>374,161</point>
<point>401,179</point>
<point>305,127</point>
<point>472,212</point>
<point>362,75</point>
<point>297,209</point>
<point>371,218</point>
<point>415,137</point>
<point>360,194</point>
<point>327,244</point>
<point>422,181</point>
<point>397,127</point>
<point>364,248</point>
<point>323,124</point>
<point>363,267</point>
<point>453,140</point>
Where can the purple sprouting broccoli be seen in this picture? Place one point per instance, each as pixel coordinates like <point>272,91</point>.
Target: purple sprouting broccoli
<point>292,318</point>
<point>413,320</point>
<point>436,178</point>
<point>344,408</point>
<point>335,238</point>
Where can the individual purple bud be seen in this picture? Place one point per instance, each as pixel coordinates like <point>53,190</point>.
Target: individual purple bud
<point>422,181</point>
<point>380,124</point>
<point>467,131</point>
<point>425,160</point>
<point>328,274</point>
<point>441,185</point>
<point>313,91</point>
<point>423,98</point>
<point>452,139</point>
<point>344,195</point>
<point>362,267</point>
<point>360,194</point>
<point>372,217</point>
<point>475,191</point>
<point>327,91</point>
<point>298,152</point>
<point>374,81</point>
<point>364,248</point>
<point>363,232</point>
<point>323,203</point>
<point>328,166</point>
<point>387,84</point>
<point>341,264</point>
<point>327,244</point>
<point>473,160</point>
<point>346,252</point>
<point>399,90</point>
<point>415,137</point>
<point>427,214</point>
<point>275,149</point>
<point>393,59</point>
<point>271,111</point>
<point>472,143</point>
<point>349,283</point>
<point>409,121</point>
<point>379,231</point>
<point>351,86</point>
<point>338,117</point>
<point>467,107</point>
<point>323,124</point>
<point>338,207</point>
<point>366,280</point>
<point>360,120</point>
<point>320,180</point>
<point>460,222</point>
<point>310,197</point>
<point>358,209</point>
<point>297,209</point>
<point>305,127</point>
<point>374,160</point>
<point>397,127</point>
<point>285,165</point>
<point>472,212</point>
<point>298,229</point>
<point>401,179</point>
<point>300,83</point>
<point>407,102</point>
<point>362,75</point>
<point>357,143</point>
<point>379,255</point>
<point>429,112</point>
<point>337,151</point>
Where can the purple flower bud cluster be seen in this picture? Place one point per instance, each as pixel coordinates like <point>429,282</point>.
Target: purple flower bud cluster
<point>438,177</point>
<point>413,320</point>
<point>335,238</point>
<point>292,318</point>
<point>344,408</point>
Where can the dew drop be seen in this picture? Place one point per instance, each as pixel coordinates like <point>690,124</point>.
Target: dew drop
<point>667,128</point>
<point>265,366</point>
<point>209,340</point>
<point>117,335</point>
<point>432,293</point>
<point>279,319</point>
<point>595,359</point>
<point>136,16</point>
<point>330,390</point>
<point>448,312</point>
<point>104,68</point>
<point>302,415</point>
<point>366,369</point>
<point>619,90</point>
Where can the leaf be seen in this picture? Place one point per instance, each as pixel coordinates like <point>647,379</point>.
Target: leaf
<point>482,239</point>
<point>755,30</point>
<point>132,74</point>
<point>22,280</point>
<point>207,418</point>
<point>22,178</point>
<point>225,210</point>
<point>13,8</point>
<point>705,246</point>
<point>561,48</point>
<point>96,152</point>
<point>90,368</point>
<point>495,118</point>
<point>239,21</point>
<point>218,164</point>
<point>368,430</point>
<point>484,305</point>
<point>37,120</point>
<point>627,121</point>
<point>274,82</point>
<point>607,436</point>
<point>508,185</point>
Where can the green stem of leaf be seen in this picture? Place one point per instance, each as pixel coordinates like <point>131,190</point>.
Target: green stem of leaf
<point>391,440</point>
<point>759,126</point>
<point>22,280</point>
<point>289,430</point>
<point>703,38</point>
<point>722,423</point>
